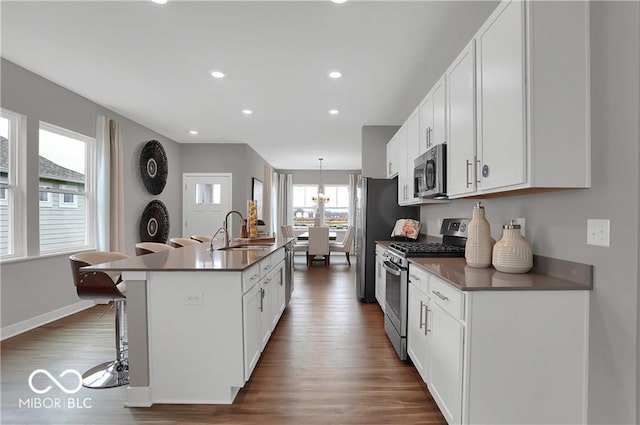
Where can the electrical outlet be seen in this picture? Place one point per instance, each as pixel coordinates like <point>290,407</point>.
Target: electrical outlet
<point>194,299</point>
<point>598,232</point>
<point>521,222</point>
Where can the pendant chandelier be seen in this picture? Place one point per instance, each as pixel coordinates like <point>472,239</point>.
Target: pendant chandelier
<point>320,197</point>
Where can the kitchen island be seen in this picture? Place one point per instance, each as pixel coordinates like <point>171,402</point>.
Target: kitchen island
<point>198,320</point>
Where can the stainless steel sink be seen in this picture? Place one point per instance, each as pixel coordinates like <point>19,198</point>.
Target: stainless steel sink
<point>248,247</point>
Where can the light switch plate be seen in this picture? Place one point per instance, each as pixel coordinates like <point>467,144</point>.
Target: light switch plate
<point>598,232</point>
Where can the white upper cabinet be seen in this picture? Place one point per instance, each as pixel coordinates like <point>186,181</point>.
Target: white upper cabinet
<point>462,123</point>
<point>432,118</point>
<point>500,76</point>
<point>532,98</point>
<point>392,157</point>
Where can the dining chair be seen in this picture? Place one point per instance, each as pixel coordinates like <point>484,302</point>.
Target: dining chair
<point>345,245</point>
<point>180,242</point>
<point>318,245</point>
<point>144,248</point>
<point>103,286</point>
<point>298,246</point>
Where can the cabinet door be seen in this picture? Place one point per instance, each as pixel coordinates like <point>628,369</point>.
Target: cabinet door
<point>278,298</point>
<point>401,137</point>
<point>445,368</point>
<point>462,128</point>
<point>381,277</point>
<point>392,157</point>
<point>417,330</point>
<point>438,134</point>
<point>501,99</point>
<point>413,142</point>
<point>265,312</point>
<point>251,327</point>
<point>426,122</point>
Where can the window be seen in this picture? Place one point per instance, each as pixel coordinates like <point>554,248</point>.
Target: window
<point>68,200</point>
<point>66,167</point>
<point>46,200</point>
<point>208,193</point>
<point>11,180</point>
<point>304,208</point>
<point>336,210</point>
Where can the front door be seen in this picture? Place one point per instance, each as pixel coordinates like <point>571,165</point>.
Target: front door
<point>206,200</point>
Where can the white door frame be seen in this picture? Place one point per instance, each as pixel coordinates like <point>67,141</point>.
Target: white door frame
<point>184,187</point>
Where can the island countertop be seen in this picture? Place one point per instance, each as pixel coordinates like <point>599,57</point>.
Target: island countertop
<point>195,258</point>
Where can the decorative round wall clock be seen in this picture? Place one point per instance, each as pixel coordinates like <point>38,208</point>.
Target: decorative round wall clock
<point>154,167</point>
<point>154,223</point>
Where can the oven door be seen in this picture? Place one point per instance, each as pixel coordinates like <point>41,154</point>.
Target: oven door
<point>396,296</point>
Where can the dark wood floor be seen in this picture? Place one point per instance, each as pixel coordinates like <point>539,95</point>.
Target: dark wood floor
<point>328,362</point>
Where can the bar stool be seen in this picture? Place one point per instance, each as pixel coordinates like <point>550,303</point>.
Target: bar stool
<point>180,242</point>
<point>144,248</point>
<point>96,285</point>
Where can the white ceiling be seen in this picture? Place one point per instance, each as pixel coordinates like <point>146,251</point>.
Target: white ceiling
<point>152,64</point>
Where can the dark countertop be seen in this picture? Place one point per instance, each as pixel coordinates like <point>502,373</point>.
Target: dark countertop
<point>194,258</point>
<point>547,274</point>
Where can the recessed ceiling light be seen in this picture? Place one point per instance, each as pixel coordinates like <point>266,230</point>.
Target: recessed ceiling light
<point>218,74</point>
<point>334,111</point>
<point>160,1</point>
<point>247,111</point>
<point>193,132</point>
<point>339,1</point>
<point>335,74</point>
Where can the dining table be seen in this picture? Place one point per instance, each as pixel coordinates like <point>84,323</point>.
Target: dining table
<point>305,236</point>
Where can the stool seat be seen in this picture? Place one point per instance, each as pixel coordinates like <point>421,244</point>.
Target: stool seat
<point>144,248</point>
<point>98,285</point>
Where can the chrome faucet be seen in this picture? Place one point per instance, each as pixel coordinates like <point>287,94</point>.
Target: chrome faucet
<point>226,226</point>
<point>220,229</point>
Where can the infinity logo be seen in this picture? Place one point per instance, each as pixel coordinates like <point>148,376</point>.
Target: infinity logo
<point>55,381</point>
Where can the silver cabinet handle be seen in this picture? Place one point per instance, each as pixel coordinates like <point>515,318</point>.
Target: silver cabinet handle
<point>261,299</point>
<point>430,141</point>
<point>267,281</point>
<point>389,172</point>
<point>439,295</point>
<point>425,323</point>
<point>477,172</point>
<point>468,164</point>
<point>267,267</point>
<point>426,320</point>
<point>414,277</point>
<point>254,277</point>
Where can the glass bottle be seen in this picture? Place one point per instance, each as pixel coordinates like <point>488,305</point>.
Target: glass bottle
<point>479,246</point>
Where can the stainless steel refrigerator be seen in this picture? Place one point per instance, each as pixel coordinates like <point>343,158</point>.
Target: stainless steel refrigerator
<point>377,210</point>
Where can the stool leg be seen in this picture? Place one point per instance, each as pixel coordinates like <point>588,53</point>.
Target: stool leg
<point>114,373</point>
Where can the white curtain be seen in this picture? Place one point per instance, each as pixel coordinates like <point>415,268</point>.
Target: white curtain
<point>274,203</point>
<point>109,187</point>
<point>285,201</point>
<point>267,188</point>
<point>353,186</point>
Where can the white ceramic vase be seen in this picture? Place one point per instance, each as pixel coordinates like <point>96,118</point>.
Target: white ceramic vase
<point>478,249</point>
<point>512,253</point>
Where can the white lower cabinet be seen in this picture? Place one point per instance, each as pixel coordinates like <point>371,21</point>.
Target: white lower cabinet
<point>445,362</point>
<point>251,302</point>
<point>381,277</point>
<point>500,356</point>
<point>417,337</point>
<point>263,305</point>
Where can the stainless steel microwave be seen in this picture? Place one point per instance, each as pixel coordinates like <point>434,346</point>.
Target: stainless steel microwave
<point>430,174</point>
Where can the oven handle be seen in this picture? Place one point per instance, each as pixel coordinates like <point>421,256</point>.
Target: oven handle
<point>391,268</point>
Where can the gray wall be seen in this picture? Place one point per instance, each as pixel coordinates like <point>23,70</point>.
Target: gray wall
<point>25,293</point>
<point>374,149</point>
<point>556,222</point>
<point>239,159</point>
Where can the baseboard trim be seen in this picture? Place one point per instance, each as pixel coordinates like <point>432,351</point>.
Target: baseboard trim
<point>43,319</point>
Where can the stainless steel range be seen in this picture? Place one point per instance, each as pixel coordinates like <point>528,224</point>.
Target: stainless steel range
<point>454,238</point>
